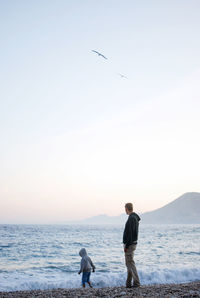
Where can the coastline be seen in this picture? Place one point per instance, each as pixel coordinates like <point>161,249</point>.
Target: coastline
<point>191,289</point>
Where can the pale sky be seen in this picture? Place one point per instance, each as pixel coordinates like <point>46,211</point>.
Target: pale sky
<point>76,139</point>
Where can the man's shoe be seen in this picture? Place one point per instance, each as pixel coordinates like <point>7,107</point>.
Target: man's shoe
<point>136,285</point>
<point>128,286</point>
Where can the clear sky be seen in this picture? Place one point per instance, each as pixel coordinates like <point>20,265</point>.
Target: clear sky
<point>76,139</point>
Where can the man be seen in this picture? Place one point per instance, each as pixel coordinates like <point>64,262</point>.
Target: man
<point>130,238</point>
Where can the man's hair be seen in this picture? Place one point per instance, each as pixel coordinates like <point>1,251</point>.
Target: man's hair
<point>129,206</point>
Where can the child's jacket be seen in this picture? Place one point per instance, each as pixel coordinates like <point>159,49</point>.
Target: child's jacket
<point>86,262</point>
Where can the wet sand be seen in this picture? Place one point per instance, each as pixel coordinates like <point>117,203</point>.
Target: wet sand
<point>166,290</point>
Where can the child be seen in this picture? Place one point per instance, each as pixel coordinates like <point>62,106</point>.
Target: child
<point>86,265</point>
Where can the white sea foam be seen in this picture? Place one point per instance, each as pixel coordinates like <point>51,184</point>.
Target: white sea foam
<point>16,281</point>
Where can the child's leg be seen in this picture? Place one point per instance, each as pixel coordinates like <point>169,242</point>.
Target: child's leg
<point>89,283</point>
<point>88,280</point>
<point>84,279</point>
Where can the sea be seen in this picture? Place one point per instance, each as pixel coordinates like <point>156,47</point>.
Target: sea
<point>47,256</point>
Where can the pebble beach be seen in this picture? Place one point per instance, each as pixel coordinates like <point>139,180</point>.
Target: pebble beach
<point>165,290</point>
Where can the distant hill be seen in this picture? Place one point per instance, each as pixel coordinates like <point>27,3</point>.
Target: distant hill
<point>184,210</point>
<point>105,219</point>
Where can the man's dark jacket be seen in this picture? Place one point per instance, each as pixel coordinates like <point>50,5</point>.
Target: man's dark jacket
<point>131,230</point>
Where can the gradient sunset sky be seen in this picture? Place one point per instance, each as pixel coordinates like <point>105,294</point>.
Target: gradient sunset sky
<point>76,139</point>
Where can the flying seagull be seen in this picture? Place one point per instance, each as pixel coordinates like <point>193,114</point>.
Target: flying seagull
<point>99,54</point>
<point>122,76</point>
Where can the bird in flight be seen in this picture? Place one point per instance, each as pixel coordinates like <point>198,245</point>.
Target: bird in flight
<point>99,54</point>
<point>122,76</point>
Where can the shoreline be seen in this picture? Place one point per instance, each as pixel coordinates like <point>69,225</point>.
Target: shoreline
<point>191,289</point>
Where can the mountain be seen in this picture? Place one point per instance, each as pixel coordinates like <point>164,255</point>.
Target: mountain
<point>184,210</point>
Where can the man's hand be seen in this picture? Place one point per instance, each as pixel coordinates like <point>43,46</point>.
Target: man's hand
<point>125,249</point>
<point>93,270</point>
<point>79,272</point>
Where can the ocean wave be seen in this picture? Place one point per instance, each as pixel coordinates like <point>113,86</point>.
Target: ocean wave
<point>190,253</point>
<point>2,246</point>
<point>63,268</point>
<point>16,281</point>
